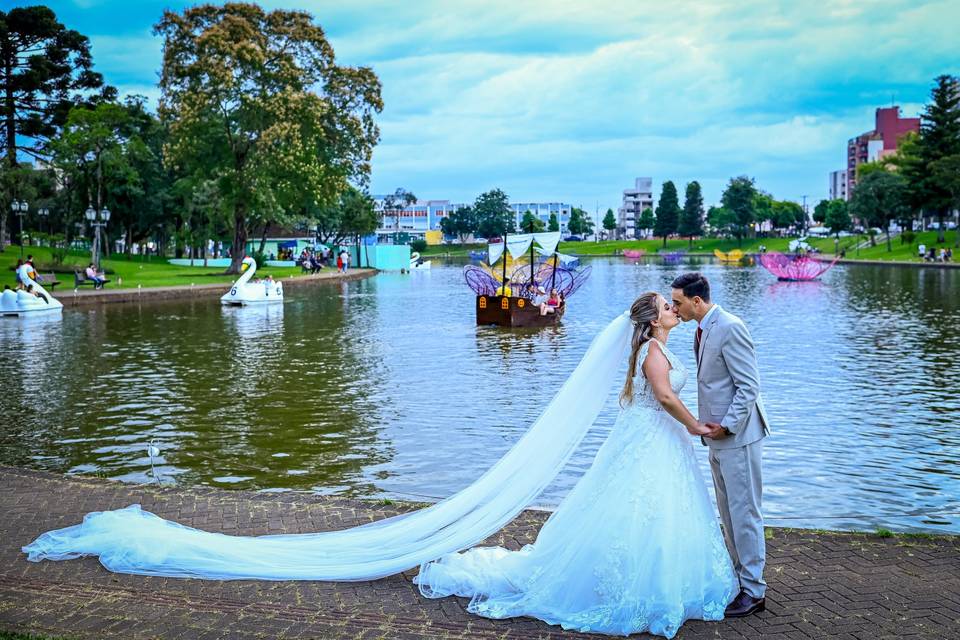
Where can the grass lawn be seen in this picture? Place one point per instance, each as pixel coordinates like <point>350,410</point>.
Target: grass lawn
<point>126,274</point>
<point>707,245</point>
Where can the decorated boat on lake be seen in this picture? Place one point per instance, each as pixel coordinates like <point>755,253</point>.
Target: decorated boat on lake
<point>800,268</point>
<point>633,254</point>
<point>518,273</point>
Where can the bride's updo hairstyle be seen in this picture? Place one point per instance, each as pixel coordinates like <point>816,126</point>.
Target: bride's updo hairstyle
<point>643,312</point>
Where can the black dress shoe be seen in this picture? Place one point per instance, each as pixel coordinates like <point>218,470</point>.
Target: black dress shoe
<point>744,605</point>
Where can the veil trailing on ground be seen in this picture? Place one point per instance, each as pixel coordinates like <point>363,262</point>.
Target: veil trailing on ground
<point>134,541</point>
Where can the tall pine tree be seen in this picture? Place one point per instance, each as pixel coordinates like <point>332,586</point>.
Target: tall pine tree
<point>939,139</point>
<point>668,212</point>
<point>691,220</point>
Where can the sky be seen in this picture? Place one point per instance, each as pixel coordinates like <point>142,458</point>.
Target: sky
<point>570,101</point>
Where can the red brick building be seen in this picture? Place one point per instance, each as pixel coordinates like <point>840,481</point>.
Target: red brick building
<point>880,142</point>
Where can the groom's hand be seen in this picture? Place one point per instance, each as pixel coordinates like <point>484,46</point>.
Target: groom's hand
<point>716,431</point>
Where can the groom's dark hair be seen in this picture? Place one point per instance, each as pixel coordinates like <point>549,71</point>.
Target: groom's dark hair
<point>693,284</point>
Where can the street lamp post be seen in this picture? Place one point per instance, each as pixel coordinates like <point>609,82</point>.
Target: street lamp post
<point>97,219</point>
<point>43,212</point>
<point>20,209</point>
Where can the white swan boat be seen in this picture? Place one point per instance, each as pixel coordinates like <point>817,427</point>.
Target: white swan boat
<point>417,263</point>
<point>21,303</point>
<point>243,292</point>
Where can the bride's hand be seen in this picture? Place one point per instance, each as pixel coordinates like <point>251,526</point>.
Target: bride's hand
<point>700,430</point>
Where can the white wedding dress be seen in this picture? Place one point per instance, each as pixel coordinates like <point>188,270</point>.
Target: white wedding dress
<point>635,546</point>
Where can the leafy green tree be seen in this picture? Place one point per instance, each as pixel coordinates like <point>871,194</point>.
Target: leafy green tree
<point>647,220</point>
<point>739,198</point>
<point>580,223</point>
<point>939,139</point>
<point>691,219</point>
<point>787,214</point>
<point>609,221</point>
<point>531,223</point>
<point>256,101</point>
<point>553,224</point>
<point>45,69</point>
<point>879,199</point>
<point>96,153</point>
<point>947,172</point>
<point>721,220</point>
<point>668,212</point>
<point>494,215</point>
<point>460,223</point>
<point>820,211</point>
<point>837,217</point>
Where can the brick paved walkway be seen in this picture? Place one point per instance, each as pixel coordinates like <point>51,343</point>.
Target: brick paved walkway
<point>821,585</point>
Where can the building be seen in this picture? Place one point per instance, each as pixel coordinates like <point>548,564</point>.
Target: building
<point>882,141</point>
<point>417,220</point>
<point>838,185</point>
<point>634,202</point>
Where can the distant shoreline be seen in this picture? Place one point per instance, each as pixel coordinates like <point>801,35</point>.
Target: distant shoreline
<point>75,298</point>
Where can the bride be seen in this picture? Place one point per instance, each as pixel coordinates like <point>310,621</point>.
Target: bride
<point>635,546</point>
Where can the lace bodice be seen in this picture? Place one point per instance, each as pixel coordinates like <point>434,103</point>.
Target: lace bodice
<point>642,391</point>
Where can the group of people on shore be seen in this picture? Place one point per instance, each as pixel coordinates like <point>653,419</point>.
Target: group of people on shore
<point>316,259</point>
<point>945,254</point>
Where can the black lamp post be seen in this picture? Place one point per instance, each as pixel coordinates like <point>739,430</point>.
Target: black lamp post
<point>20,209</point>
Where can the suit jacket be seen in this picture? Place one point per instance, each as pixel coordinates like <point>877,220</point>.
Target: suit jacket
<point>728,384</point>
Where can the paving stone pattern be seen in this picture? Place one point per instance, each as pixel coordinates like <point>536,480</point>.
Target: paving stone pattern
<point>821,585</point>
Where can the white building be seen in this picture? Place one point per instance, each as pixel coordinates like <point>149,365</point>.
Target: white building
<point>425,215</point>
<point>838,185</point>
<point>634,202</point>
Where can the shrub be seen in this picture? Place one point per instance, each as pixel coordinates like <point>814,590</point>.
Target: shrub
<point>418,245</point>
<point>907,237</point>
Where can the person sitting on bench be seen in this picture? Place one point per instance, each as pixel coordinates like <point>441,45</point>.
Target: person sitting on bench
<point>91,274</point>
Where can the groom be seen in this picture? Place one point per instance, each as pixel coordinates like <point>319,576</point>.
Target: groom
<point>728,391</point>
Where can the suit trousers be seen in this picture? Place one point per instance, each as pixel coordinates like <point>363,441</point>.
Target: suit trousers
<point>739,486</point>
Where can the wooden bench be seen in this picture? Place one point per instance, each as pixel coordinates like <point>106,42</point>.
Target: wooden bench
<point>80,279</point>
<point>48,280</point>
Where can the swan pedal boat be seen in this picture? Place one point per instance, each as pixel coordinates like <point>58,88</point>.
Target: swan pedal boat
<point>20,303</point>
<point>243,292</point>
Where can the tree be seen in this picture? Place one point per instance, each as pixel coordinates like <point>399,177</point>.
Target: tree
<point>45,70</point>
<point>820,211</point>
<point>787,214</point>
<point>739,198</point>
<point>947,172</point>
<point>494,215</point>
<point>94,155</point>
<point>531,223</point>
<point>691,220</point>
<point>647,220</point>
<point>460,223</point>
<point>580,223</point>
<point>609,221</point>
<point>553,224</point>
<point>256,101</point>
<point>939,139</point>
<point>837,217</point>
<point>668,212</point>
<point>879,199</point>
<point>720,219</point>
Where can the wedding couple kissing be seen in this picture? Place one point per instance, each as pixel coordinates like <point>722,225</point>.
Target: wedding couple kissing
<point>635,546</point>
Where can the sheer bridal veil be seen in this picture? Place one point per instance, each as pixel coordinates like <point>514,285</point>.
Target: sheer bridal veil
<point>134,541</point>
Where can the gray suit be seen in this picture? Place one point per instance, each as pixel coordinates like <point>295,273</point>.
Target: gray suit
<point>728,392</point>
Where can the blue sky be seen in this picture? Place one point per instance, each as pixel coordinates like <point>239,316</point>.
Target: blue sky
<point>571,100</point>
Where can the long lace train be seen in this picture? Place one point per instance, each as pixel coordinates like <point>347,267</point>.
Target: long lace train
<point>135,541</point>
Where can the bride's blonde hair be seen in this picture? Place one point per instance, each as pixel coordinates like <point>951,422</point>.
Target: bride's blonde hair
<point>643,312</point>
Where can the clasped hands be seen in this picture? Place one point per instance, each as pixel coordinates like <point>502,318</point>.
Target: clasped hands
<point>708,430</point>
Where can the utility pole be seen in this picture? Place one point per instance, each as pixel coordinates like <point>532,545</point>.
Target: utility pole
<point>806,218</point>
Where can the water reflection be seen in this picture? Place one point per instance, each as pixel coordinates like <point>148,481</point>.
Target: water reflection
<point>385,387</point>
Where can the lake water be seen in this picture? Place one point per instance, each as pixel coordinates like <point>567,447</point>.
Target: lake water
<point>385,388</point>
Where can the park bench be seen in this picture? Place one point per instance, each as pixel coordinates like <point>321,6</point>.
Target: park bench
<point>48,280</point>
<point>80,279</point>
